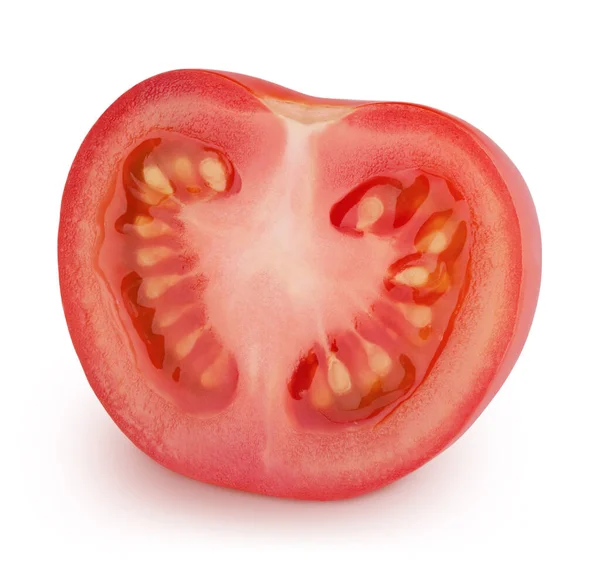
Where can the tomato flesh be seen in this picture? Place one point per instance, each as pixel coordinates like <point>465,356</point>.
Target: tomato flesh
<point>276,277</point>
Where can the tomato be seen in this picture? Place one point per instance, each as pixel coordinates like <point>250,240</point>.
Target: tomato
<point>294,296</point>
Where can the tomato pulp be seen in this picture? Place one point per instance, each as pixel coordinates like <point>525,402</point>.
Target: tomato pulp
<point>289,295</point>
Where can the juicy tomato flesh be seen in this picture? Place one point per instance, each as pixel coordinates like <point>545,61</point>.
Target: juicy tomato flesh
<point>295,296</point>
<point>173,195</point>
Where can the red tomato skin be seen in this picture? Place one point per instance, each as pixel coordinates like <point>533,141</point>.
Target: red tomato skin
<point>238,448</point>
<point>531,262</point>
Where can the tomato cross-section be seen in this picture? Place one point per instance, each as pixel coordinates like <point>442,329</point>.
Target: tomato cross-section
<point>294,296</point>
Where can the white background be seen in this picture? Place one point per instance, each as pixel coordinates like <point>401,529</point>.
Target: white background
<point>520,488</point>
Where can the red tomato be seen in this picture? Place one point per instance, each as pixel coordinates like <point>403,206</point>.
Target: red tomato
<point>289,295</point>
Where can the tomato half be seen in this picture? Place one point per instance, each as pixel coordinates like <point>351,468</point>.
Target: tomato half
<point>289,295</point>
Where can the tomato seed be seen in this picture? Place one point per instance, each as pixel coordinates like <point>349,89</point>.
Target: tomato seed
<point>183,168</point>
<point>156,179</point>
<point>214,173</point>
<point>415,276</point>
<point>370,210</point>
<point>151,256</point>
<point>155,286</point>
<point>185,345</point>
<point>338,375</point>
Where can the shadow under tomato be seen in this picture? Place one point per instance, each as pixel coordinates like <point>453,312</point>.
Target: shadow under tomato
<point>127,478</point>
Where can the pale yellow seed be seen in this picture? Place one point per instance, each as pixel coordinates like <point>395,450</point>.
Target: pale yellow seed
<point>213,375</point>
<point>438,243</point>
<point>156,179</point>
<point>369,211</point>
<point>379,360</point>
<point>154,287</point>
<point>148,228</point>
<point>140,220</point>
<point>149,195</point>
<point>338,376</point>
<point>214,173</point>
<point>418,315</point>
<point>185,345</point>
<point>151,256</point>
<point>320,395</point>
<point>415,276</point>
<point>169,317</point>
<point>183,168</point>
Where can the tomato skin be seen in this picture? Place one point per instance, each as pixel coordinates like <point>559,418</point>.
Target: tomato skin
<point>251,445</point>
<point>531,263</point>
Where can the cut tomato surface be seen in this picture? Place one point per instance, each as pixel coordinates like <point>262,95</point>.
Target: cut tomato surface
<point>289,295</point>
